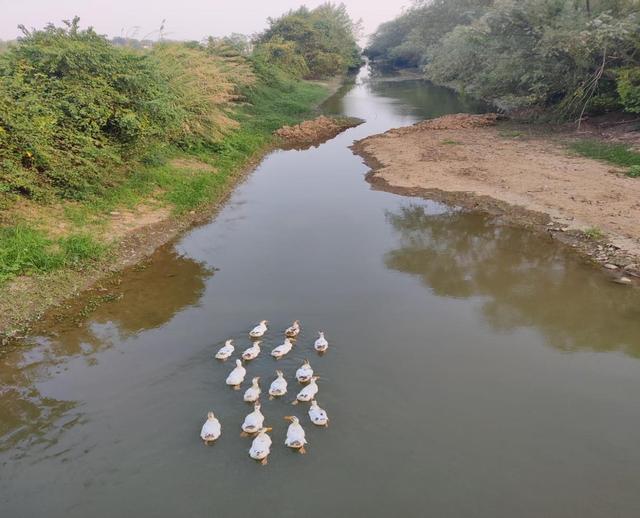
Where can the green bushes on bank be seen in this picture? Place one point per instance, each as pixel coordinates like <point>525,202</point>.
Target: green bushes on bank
<point>313,43</point>
<point>78,115</point>
<point>564,56</point>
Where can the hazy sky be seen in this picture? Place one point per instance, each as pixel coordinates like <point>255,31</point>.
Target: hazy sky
<point>186,19</point>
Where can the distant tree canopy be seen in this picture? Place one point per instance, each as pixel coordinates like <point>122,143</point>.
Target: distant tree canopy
<point>313,43</point>
<point>565,55</point>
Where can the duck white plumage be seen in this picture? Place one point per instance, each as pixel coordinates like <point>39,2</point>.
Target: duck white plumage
<point>254,421</point>
<point>236,376</point>
<point>253,392</point>
<point>226,350</point>
<point>305,372</point>
<point>282,349</point>
<point>321,344</point>
<point>252,352</point>
<point>261,446</point>
<point>278,386</point>
<point>295,434</point>
<point>293,330</point>
<point>308,392</point>
<point>318,415</point>
<point>211,429</point>
<point>259,330</point>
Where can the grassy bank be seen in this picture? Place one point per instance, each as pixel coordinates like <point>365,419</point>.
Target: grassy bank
<point>611,152</point>
<point>89,130</point>
<point>181,180</point>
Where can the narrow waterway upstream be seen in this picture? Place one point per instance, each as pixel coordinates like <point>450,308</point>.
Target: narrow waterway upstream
<point>475,369</point>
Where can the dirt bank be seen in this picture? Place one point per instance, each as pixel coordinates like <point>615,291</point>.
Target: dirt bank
<point>468,160</point>
<point>314,132</point>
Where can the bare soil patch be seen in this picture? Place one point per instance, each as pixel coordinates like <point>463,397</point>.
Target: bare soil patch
<point>314,132</point>
<point>534,181</point>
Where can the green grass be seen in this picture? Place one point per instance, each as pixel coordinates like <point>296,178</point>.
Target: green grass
<point>594,233</point>
<point>26,250</point>
<point>449,142</point>
<point>617,154</point>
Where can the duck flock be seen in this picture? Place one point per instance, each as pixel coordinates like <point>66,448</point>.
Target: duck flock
<point>253,425</point>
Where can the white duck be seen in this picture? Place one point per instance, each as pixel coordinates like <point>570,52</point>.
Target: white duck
<point>318,415</point>
<point>259,330</point>
<point>226,350</point>
<point>278,386</point>
<point>254,421</point>
<point>308,392</point>
<point>261,446</point>
<point>293,330</point>
<point>252,352</point>
<point>236,376</point>
<point>253,392</point>
<point>295,435</point>
<point>305,372</point>
<point>321,344</point>
<point>211,429</point>
<point>282,349</point>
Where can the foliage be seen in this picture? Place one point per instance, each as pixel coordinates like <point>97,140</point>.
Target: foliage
<point>629,88</point>
<point>634,171</point>
<point>76,112</point>
<point>618,154</point>
<point>202,86</point>
<point>405,41</point>
<point>568,56</point>
<point>594,233</point>
<point>72,107</point>
<point>315,43</point>
<point>24,249</point>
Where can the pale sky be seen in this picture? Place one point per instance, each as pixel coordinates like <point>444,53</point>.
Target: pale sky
<point>186,19</point>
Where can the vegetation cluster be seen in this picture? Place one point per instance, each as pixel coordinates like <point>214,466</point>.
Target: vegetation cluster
<point>88,126</point>
<point>568,57</point>
<point>312,43</point>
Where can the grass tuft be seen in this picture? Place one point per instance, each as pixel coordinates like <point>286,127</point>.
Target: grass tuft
<point>26,250</point>
<point>614,153</point>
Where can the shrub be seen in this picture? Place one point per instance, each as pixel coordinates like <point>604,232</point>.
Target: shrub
<point>72,107</point>
<point>629,88</point>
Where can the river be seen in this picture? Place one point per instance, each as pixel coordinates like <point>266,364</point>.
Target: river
<point>474,369</point>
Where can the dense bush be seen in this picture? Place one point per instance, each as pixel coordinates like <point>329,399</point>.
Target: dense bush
<point>315,43</point>
<point>568,56</point>
<point>77,111</point>
<point>71,107</point>
<point>629,88</point>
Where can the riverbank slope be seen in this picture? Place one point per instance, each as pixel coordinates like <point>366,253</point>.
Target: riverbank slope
<point>476,162</point>
<point>157,203</point>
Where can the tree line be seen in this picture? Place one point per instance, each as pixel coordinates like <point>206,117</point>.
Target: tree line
<point>565,56</point>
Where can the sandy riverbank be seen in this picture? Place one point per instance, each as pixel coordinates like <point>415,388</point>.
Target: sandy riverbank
<point>467,160</point>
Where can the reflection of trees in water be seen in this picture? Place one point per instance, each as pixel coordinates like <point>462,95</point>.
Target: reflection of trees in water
<point>425,99</point>
<point>145,298</point>
<point>526,281</point>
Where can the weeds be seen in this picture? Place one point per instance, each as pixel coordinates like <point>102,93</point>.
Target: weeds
<point>618,154</point>
<point>25,250</point>
<point>594,233</point>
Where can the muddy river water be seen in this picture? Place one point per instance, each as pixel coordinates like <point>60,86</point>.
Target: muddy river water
<point>475,369</point>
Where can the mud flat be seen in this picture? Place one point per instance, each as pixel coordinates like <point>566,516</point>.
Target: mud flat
<point>314,132</point>
<point>468,161</point>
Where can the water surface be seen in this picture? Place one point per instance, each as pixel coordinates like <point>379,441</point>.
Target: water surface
<point>475,370</point>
